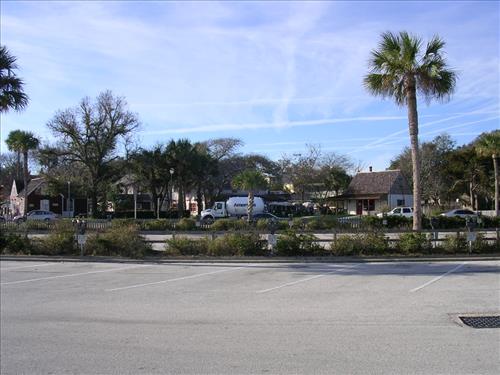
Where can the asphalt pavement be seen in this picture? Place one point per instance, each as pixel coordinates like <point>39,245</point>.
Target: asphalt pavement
<point>343,318</point>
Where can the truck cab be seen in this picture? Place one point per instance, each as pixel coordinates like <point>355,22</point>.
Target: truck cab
<point>216,212</point>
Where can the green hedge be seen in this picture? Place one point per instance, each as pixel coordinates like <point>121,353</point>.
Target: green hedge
<point>293,244</point>
<point>231,244</point>
<point>371,243</point>
<point>121,240</point>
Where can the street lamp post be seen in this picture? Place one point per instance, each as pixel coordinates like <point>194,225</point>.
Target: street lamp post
<point>171,187</point>
<point>68,205</point>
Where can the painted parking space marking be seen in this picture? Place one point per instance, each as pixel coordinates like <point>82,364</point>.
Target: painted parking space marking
<point>18,268</point>
<point>303,280</point>
<point>172,280</point>
<point>72,275</point>
<point>437,278</point>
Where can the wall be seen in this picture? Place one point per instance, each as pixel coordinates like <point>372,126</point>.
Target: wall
<point>393,200</point>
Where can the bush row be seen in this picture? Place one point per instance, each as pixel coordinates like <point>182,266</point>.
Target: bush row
<point>119,240</point>
<point>124,240</point>
<point>291,243</point>
<point>232,244</point>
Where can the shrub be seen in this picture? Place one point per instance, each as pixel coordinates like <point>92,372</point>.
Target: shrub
<point>347,245</point>
<point>157,224</point>
<point>490,221</point>
<point>371,222</point>
<point>187,246</point>
<point>229,224</point>
<point>299,223</point>
<point>480,245</point>
<point>14,244</point>
<point>396,221</point>
<point>454,244</point>
<point>237,244</point>
<point>414,243</point>
<point>185,224</point>
<point>371,243</point>
<point>265,224</point>
<point>292,244</point>
<point>121,240</point>
<point>321,223</point>
<point>60,241</point>
<point>443,222</point>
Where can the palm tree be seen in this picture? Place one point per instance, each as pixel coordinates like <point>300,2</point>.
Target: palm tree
<point>399,69</point>
<point>249,180</point>
<point>12,95</point>
<point>489,145</point>
<point>25,141</point>
<point>13,142</point>
<point>180,155</point>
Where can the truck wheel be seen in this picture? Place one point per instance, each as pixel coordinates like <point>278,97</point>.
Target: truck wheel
<point>208,220</point>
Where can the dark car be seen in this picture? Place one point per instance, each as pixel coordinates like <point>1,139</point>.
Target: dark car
<point>463,213</point>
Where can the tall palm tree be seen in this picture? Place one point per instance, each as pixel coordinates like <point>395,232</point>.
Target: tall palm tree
<point>12,95</point>
<point>400,68</point>
<point>180,155</point>
<point>27,141</point>
<point>13,142</point>
<point>489,145</point>
<point>249,180</point>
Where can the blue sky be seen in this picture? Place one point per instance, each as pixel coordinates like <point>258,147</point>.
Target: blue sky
<point>278,75</point>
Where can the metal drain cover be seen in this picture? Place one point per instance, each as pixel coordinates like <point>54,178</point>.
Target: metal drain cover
<point>492,321</point>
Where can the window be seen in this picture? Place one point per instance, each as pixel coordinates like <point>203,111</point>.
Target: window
<point>406,211</point>
<point>368,204</point>
<point>218,206</point>
<point>400,202</point>
<point>397,210</point>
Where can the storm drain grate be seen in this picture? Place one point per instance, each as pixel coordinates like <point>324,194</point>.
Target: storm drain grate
<point>481,321</point>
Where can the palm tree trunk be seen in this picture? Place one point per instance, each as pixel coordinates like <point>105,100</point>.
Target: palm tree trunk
<point>199,200</point>
<point>18,165</point>
<point>25,180</point>
<point>495,168</point>
<point>250,205</point>
<point>415,157</point>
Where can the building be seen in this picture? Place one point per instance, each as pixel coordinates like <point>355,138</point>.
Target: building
<point>40,198</point>
<point>371,192</point>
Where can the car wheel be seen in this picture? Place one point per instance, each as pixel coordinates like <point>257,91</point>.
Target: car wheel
<point>47,220</point>
<point>208,221</point>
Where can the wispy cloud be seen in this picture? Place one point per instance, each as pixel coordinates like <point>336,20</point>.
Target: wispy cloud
<point>288,124</point>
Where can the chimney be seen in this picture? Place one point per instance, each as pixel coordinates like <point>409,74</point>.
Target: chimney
<point>371,169</point>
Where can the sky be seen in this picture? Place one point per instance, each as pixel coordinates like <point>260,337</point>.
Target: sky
<point>277,75</point>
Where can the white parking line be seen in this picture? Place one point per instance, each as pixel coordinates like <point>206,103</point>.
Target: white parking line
<point>71,275</point>
<point>18,268</point>
<point>172,280</point>
<point>303,280</point>
<point>438,278</point>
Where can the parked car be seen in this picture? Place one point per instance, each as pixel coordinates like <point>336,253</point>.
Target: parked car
<point>398,211</point>
<point>37,215</point>
<point>463,213</point>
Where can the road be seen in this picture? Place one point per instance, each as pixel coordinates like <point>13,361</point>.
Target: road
<point>350,318</point>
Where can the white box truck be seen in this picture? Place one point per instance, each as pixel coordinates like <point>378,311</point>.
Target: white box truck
<point>233,207</point>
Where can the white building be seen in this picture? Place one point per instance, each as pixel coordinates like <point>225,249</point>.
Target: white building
<point>370,192</point>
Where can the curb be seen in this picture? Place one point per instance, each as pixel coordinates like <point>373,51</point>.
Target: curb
<point>246,260</point>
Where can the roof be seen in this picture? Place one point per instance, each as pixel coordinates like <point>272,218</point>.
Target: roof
<point>33,185</point>
<point>373,183</point>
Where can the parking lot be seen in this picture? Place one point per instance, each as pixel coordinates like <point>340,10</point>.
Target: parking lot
<point>346,318</point>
